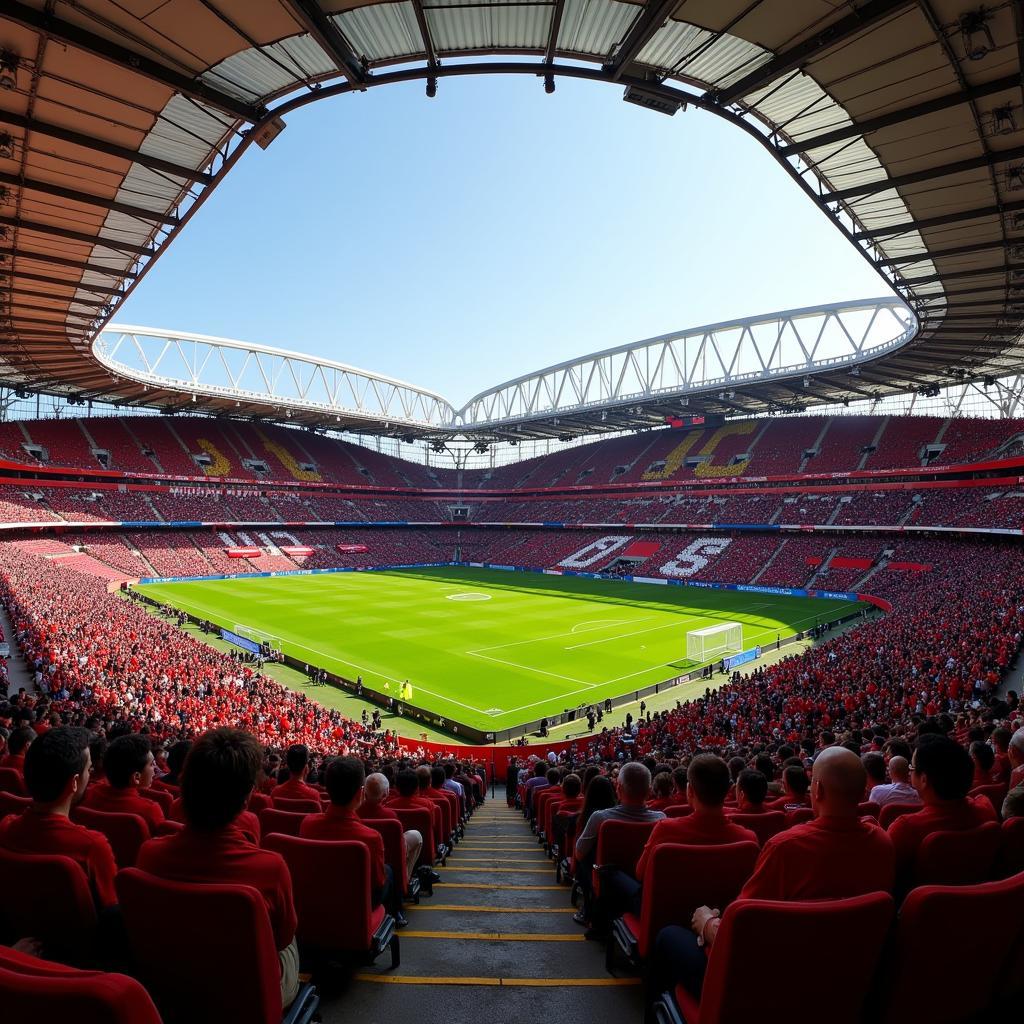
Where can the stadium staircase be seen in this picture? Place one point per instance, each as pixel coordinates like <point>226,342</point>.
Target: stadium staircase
<point>497,929</point>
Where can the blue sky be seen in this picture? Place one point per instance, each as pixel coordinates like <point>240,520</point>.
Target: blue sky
<point>461,241</point>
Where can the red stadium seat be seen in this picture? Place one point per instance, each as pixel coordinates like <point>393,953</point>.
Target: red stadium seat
<point>125,832</point>
<point>995,792</point>
<point>890,812</point>
<point>332,887</point>
<point>1011,848</point>
<point>420,820</point>
<point>212,958</point>
<point>40,990</point>
<point>749,968</point>
<point>677,880</point>
<point>764,826</point>
<point>678,810</point>
<point>285,822</point>
<point>12,782</point>
<point>283,803</point>
<point>393,834</point>
<point>992,913</point>
<point>799,816</point>
<point>11,803</point>
<point>258,802</point>
<point>958,858</point>
<point>619,845</point>
<point>868,808</point>
<point>51,902</point>
<point>159,796</point>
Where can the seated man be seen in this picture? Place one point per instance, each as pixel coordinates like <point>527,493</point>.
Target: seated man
<point>570,807</point>
<point>941,772</point>
<point>345,778</point>
<point>554,782</point>
<point>899,791</point>
<point>1015,754</point>
<point>874,765</point>
<point>983,758</point>
<point>17,746</point>
<point>57,769</point>
<point>219,775</point>
<point>835,856</point>
<point>129,766</point>
<point>375,793</point>
<point>296,787</point>
<point>661,791</point>
<point>408,798</point>
<point>796,786</point>
<point>751,792</point>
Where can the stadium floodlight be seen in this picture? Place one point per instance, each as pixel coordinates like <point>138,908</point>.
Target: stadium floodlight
<point>431,87</point>
<point>714,641</point>
<point>8,71</point>
<point>974,28</point>
<point>549,84</point>
<point>1003,121</point>
<point>651,100</point>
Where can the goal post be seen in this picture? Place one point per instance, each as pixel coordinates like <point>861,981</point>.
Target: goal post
<point>714,641</point>
<point>257,636</point>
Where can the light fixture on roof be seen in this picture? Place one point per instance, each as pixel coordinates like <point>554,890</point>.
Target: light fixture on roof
<point>807,382</point>
<point>1003,121</point>
<point>8,70</point>
<point>1017,221</point>
<point>549,84</point>
<point>1015,177</point>
<point>978,41</point>
<point>431,86</point>
<point>6,145</point>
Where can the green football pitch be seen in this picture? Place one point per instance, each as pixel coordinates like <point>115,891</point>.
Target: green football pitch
<point>491,650</point>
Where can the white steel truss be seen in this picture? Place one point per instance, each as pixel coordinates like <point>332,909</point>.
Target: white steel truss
<point>724,356</point>
<point>281,380</point>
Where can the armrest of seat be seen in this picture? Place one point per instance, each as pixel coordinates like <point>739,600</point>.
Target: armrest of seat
<point>306,1004</point>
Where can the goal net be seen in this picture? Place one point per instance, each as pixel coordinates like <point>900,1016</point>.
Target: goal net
<point>714,641</point>
<point>257,636</point>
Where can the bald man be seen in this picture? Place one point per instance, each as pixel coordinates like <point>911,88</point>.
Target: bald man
<point>899,791</point>
<point>835,856</point>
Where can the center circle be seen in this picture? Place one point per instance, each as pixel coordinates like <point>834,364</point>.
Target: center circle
<point>469,596</point>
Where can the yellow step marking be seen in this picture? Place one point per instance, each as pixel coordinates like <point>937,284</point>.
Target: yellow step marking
<point>499,849</point>
<point>470,909</point>
<point>403,979</point>
<point>496,885</point>
<point>511,871</point>
<point>505,860</point>
<point>496,936</point>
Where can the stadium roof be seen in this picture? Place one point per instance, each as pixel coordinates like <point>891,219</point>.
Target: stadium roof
<point>901,118</point>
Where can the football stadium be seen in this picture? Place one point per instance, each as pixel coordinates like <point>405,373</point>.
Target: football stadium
<point>662,680</point>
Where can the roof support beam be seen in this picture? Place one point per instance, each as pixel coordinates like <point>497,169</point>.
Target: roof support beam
<point>894,117</point>
<point>76,236</point>
<point>60,261</point>
<point>938,222</point>
<point>13,291</point>
<point>46,24</point>
<point>154,163</point>
<point>87,198</point>
<point>310,15</point>
<point>648,20</point>
<point>929,174</point>
<point>938,254</point>
<point>956,275</point>
<point>867,15</point>
<point>20,276</point>
<point>428,40</point>
<point>556,26</point>
<point>20,304</point>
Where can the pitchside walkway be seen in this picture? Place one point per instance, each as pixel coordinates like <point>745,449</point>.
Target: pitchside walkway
<point>497,929</point>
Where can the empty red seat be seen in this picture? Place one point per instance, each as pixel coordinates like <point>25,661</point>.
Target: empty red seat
<point>11,803</point>
<point>749,972</point>
<point>922,951</point>
<point>336,918</point>
<point>40,990</point>
<point>678,879</point>
<point>206,952</point>
<point>764,826</point>
<point>890,812</point>
<point>125,832</point>
<point>286,822</point>
<point>996,794</point>
<point>419,819</point>
<point>958,858</point>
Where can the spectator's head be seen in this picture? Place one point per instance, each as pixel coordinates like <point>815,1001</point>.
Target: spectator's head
<point>661,786</point>
<point>751,790</point>
<point>679,781</point>
<point>736,765</point>
<point>344,779</point>
<point>423,777</point>
<point>983,756</point>
<point>1013,803</point>
<point>874,765</point>
<point>297,760</point>
<point>407,783</point>
<point>218,778</point>
<point>129,762</point>
<point>20,740</point>
<point>540,768</point>
<point>1001,739</point>
<point>899,770</point>
<point>795,782</point>
<point>449,769</point>
<point>176,759</point>
<point>377,788</point>
<point>941,769</point>
<point>763,764</point>
<point>57,768</point>
<point>837,783</point>
<point>600,795</point>
<point>707,782</point>
<point>634,783</point>
<point>571,786</point>
<point>553,776</point>
<point>1015,751</point>
<point>437,776</point>
<point>898,748</point>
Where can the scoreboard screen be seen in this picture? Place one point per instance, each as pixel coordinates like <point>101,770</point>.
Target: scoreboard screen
<point>687,422</point>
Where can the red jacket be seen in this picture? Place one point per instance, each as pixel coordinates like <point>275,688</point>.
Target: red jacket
<point>295,789</point>
<point>123,801</point>
<point>702,828</point>
<point>342,823</point>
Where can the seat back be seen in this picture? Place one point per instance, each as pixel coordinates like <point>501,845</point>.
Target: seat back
<point>678,810</point>
<point>205,952</point>
<point>11,803</point>
<point>958,858</point>
<point>159,796</point>
<point>868,808</point>
<point>994,914</point>
<point>420,819</point>
<point>995,792</point>
<point>540,801</point>
<point>12,782</point>
<point>679,878</point>
<point>890,812</point>
<point>39,990</point>
<point>798,816</point>
<point>331,888</point>
<point>259,801</point>
<point>764,826</point>
<point>550,811</point>
<point>50,901</point>
<point>286,823</point>
<point>840,943</point>
<point>297,806</point>
<point>1011,848</point>
<point>393,834</point>
<point>125,832</point>
<point>619,845</point>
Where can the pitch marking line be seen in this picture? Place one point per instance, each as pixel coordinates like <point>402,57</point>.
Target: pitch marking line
<point>621,636</point>
<point>598,623</point>
<point>557,636</point>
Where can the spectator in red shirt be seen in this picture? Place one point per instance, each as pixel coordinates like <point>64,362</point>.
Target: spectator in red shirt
<point>408,789</point>
<point>374,807</point>
<point>345,779</point>
<point>17,746</point>
<point>1000,744</point>
<point>661,791</point>
<point>983,758</point>
<point>570,808</point>
<point>219,776</point>
<point>751,792</point>
<point>941,772</point>
<point>296,787</point>
<point>835,856</point>
<point>129,767</point>
<point>797,787</point>
<point>57,769</point>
